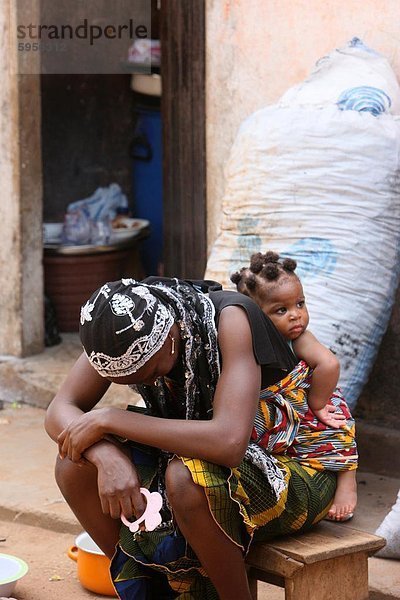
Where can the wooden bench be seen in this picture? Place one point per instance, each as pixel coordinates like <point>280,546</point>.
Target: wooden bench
<point>327,563</point>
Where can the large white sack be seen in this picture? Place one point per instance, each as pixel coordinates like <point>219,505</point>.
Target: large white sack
<point>354,67</point>
<point>321,185</point>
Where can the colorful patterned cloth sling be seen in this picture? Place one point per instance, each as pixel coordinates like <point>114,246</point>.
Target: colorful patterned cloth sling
<point>286,425</point>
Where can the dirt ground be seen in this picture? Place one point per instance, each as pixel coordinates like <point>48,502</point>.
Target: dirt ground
<point>52,574</point>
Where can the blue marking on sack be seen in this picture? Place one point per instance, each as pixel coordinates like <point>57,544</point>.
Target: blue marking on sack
<point>247,244</point>
<point>313,255</point>
<point>365,99</point>
<point>355,42</point>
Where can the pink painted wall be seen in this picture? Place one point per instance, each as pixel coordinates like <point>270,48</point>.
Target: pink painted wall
<point>257,49</point>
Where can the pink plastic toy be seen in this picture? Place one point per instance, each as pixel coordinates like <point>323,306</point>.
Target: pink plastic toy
<point>151,515</point>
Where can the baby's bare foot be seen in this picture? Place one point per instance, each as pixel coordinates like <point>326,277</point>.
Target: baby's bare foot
<point>345,500</point>
<point>343,506</point>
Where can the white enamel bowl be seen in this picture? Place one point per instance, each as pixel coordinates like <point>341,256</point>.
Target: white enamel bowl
<point>11,569</point>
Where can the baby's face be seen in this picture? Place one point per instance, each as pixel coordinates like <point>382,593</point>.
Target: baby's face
<point>284,303</point>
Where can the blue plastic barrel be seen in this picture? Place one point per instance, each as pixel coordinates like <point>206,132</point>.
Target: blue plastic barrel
<point>146,153</point>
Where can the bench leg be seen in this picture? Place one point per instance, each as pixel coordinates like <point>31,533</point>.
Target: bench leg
<point>343,576</point>
<point>253,586</point>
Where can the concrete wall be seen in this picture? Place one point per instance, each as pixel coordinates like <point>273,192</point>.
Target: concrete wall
<point>256,50</point>
<point>21,290</point>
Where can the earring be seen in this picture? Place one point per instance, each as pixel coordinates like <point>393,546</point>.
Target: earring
<point>172,344</point>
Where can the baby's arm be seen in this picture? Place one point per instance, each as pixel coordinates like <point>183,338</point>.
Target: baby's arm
<point>325,376</point>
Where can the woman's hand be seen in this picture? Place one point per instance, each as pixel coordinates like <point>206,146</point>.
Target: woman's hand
<point>82,433</point>
<point>118,482</point>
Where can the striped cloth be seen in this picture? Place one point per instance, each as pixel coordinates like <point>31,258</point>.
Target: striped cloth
<point>285,424</point>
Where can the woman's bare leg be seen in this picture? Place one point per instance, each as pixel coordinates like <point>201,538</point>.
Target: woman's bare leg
<point>78,485</point>
<point>221,558</point>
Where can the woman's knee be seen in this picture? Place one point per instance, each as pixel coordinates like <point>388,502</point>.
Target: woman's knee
<point>70,477</point>
<point>183,493</point>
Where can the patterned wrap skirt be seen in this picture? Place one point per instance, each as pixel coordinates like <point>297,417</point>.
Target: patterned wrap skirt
<point>161,565</point>
<point>244,501</point>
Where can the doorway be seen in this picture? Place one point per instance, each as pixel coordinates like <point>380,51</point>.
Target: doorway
<point>87,130</point>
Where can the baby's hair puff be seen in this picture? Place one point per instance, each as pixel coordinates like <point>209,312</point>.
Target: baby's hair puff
<point>236,277</point>
<point>263,268</point>
<point>244,280</point>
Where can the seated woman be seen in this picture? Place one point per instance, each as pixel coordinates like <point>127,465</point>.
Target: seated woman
<point>201,362</point>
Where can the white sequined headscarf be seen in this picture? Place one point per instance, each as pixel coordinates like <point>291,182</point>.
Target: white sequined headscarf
<point>122,326</point>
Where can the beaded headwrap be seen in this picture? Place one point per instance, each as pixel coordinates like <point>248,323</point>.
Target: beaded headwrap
<point>122,326</point>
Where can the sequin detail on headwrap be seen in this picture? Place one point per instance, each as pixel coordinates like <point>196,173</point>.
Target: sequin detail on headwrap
<point>87,309</point>
<point>122,326</point>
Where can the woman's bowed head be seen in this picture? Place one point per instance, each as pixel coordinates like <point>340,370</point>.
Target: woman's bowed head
<point>200,358</point>
<point>123,327</point>
<point>129,337</point>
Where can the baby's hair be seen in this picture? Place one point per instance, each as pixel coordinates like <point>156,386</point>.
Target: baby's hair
<point>263,268</point>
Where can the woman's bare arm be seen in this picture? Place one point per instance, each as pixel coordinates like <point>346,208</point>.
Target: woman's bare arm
<point>80,392</point>
<point>222,440</point>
